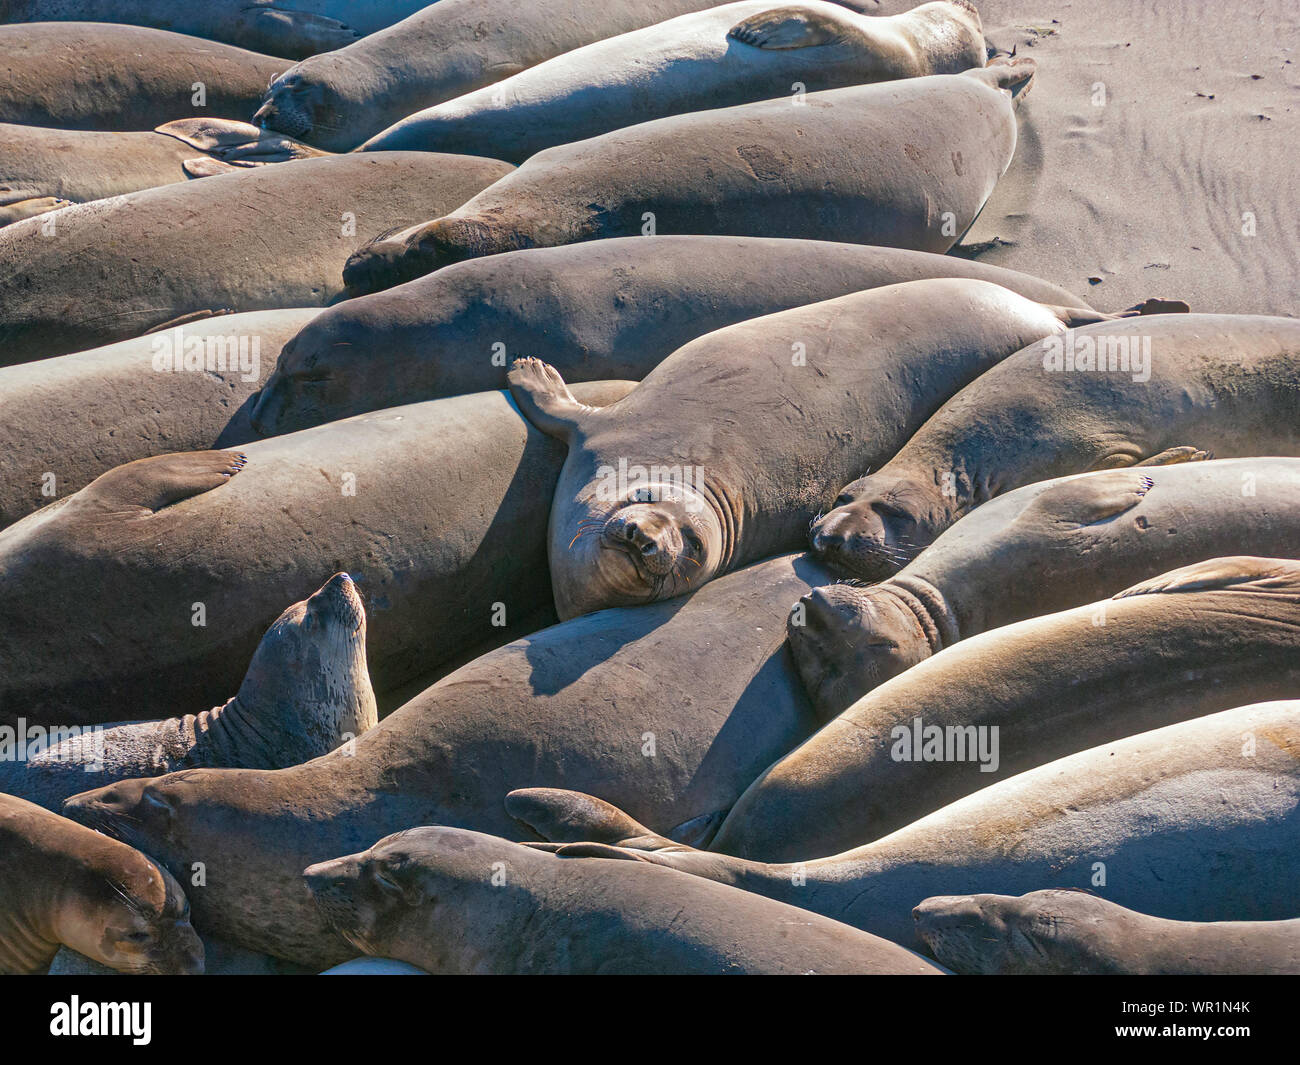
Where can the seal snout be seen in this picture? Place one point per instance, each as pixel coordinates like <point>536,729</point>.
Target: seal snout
<point>650,538</point>
<point>338,598</point>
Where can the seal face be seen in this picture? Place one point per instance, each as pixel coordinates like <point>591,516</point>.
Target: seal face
<point>877,524</point>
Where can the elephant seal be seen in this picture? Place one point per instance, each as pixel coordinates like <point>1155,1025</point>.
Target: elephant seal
<point>98,76</point>
<point>306,692</point>
<point>1188,642</point>
<point>906,164</point>
<point>1172,386</point>
<point>1194,822</point>
<point>337,100</point>
<point>94,273</point>
<point>289,28</point>
<point>1055,932</point>
<point>1040,549</point>
<point>722,57</point>
<point>602,309</point>
<point>64,885</point>
<point>456,902</point>
<point>732,444</point>
<point>75,166</point>
<point>152,586</point>
<point>66,420</point>
<point>671,709</point>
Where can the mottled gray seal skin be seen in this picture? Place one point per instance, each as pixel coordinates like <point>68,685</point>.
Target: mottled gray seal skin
<point>152,586</point>
<point>1042,548</point>
<point>76,166</point>
<point>337,100</point>
<point>740,435</point>
<point>64,885</point>
<point>906,164</point>
<point>603,309</point>
<point>255,239</point>
<point>671,709</point>
<point>290,28</point>
<point>98,76</point>
<point>1191,641</point>
<point>1070,933</point>
<point>66,420</point>
<point>458,902</point>
<point>1142,821</point>
<point>306,692</point>
<point>729,55</point>
<point>1228,385</point>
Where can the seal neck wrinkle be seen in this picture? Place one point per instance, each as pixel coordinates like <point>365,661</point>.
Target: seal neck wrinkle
<point>24,947</point>
<point>932,611</point>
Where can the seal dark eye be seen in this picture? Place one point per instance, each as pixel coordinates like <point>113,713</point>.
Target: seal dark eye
<point>692,539</point>
<point>385,883</point>
<point>137,937</point>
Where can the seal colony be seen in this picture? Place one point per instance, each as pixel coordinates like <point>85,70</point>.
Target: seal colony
<point>411,419</point>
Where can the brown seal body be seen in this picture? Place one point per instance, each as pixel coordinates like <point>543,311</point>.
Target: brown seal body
<point>1054,932</point>
<point>64,885</point>
<point>906,164</point>
<point>1162,389</point>
<point>452,901</point>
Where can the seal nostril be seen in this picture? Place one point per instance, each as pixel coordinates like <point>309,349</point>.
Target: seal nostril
<point>630,530</point>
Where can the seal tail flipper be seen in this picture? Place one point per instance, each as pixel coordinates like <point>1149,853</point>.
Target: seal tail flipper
<point>785,27</point>
<point>158,482</point>
<point>1073,317</point>
<point>545,400</point>
<point>1261,574</point>
<point>1013,73</point>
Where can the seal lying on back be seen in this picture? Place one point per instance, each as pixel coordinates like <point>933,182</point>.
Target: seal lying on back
<point>722,57</point>
<point>1143,821</point>
<point>1193,641</point>
<point>451,901</point>
<point>152,586</point>
<point>907,164</point>
<point>732,444</point>
<point>97,76</point>
<point>267,237</point>
<point>672,709</point>
<point>290,28</point>
<point>62,884</point>
<point>66,420</point>
<point>306,692</point>
<point>1048,933</point>
<point>1125,393</point>
<point>1042,548</point>
<point>74,166</point>
<point>603,309</point>
<point>448,49</point>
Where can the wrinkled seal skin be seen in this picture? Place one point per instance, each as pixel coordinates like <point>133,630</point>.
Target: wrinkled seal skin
<point>1050,933</point>
<point>306,692</point>
<point>97,76</point>
<point>1220,383</point>
<point>869,164</point>
<point>729,55</point>
<point>607,309</point>
<point>1151,808</point>
<point>77,416</point>
<point>63,885</point>
<point>1042,548</point>
<point>289,28</point>
<point>256,239</point>
<point>437,510</point>
<point>757,420</point>
<point>76,166</point>
<point>1192,641</point>
<point>338,100</point>
<point>427,896</point>
<point>706,680</point>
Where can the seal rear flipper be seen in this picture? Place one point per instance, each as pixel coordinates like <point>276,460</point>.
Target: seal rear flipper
<point>1013,73</point>
<point>1088,500</point>
<point>17,210</point>
<point>1171,456</point>
<point>785,27</point>
<point>158,482</point>
<point>1156,305</point>
<point>545,400</point>
<point>1234,571</point>
<point>1073,317</point>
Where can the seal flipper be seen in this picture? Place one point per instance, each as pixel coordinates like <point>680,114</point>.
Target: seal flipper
<point>545,400</point>
<point>1262,574</point>
<point>1015,74</point>
<point>202,166</point>
<point>569,817</point>
<point>598,850</point>
<point>299,31</point>
<point>1083,501</point>
<point>1171,456</point>
<point>1073,317</point>
<point>785,27</point>
<point>16,210</point>
<point>160,481</point>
